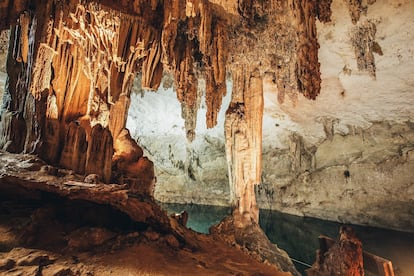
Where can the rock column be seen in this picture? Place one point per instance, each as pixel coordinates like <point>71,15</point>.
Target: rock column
<point>243,133</point>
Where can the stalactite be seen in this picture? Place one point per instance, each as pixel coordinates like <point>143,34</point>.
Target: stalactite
<point>215,74</point>
<point>205,30</point>
<point>152,67</point>
<point>323,10</point>
<point>186,88</point>
<point>355,8</point>
<point>96,54</point>
<point>19,128</point>
<point>243,131</point>
<point>308,70</point>
<point>10,12</point>
<point>363,41</point>
<point>172,16</point>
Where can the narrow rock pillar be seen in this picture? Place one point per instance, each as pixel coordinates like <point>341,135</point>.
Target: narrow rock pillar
<point>243,132</point>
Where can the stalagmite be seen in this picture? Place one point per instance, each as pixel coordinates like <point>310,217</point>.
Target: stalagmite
<point>126,150</point>
<point>344,257</point>
<point>243,131</point>
<point>51,141</point>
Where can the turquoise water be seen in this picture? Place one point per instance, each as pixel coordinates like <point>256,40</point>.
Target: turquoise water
<point>200,217</point>
<point>299,236</point>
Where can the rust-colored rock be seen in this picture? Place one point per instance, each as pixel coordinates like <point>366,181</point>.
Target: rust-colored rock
<point>139,175</point>
<point>323,10</point>
<point>99,154</point>
<point>51,141</point>
<point>343,258</point>
<point>126,149</point>
<point>75,148</point>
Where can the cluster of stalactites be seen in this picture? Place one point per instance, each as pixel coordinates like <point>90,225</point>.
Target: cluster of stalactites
<point>193,37</point>
<point>68,100</point>
<point>103,50</point>
<point>292,46</point>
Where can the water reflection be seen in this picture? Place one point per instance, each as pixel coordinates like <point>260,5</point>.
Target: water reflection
<point>200,217</point>
<point>299,236</point>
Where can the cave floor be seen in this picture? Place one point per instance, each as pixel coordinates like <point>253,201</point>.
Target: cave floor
<point>48,227</point>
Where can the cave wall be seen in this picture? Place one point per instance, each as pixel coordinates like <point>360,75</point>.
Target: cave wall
<point>346,156</point>
<point>351,161</point>
<point>70,68</point>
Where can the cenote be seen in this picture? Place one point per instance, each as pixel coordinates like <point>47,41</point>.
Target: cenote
<point>299,235</point>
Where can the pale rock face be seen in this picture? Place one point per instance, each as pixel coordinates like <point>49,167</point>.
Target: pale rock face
<point>347,156</point>
<point>186,172</point>
<point>4,37</point>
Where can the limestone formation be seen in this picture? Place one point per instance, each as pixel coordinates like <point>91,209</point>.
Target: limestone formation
<point>243,130</point>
